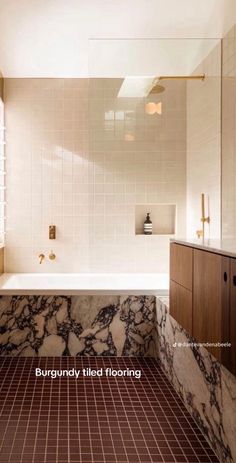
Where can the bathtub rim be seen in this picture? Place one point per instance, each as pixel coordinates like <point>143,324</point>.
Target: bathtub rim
<point>130,288</point>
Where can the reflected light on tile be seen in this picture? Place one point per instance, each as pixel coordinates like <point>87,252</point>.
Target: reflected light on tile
<point>159,108</point>
<point>152,108</point>
<point>129,137</point>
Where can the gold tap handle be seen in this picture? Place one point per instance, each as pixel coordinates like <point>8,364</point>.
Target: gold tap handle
<point>52,256</point>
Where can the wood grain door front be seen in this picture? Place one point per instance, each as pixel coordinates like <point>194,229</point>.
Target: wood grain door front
<point>181,264</point>
<point>181,305</point>
<point>232,325</point>
<point>211,299</point>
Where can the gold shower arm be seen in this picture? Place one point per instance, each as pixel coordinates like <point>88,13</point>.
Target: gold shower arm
<point>158,79</point>
<point>199,77</point>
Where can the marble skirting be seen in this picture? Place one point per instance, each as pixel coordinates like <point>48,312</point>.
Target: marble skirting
<point>206,387</point>
<point>77,325</point>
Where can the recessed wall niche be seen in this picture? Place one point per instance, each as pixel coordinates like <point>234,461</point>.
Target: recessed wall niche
<point>163,217</point>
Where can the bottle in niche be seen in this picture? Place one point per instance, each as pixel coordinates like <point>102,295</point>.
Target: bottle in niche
<point>147,226</point>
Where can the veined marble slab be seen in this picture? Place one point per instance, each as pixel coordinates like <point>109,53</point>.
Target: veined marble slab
<point>77,325</point>
<point>206,387</point>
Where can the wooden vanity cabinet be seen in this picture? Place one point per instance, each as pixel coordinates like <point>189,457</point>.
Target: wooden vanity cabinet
<point>181,305</point>
<point>232,318</point>
<point>211,300</point>
<point>181,280</point>
<point>181,265</point>
<point>203,298</point>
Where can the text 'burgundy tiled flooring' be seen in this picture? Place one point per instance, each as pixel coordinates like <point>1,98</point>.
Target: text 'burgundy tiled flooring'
<point>94,420</point>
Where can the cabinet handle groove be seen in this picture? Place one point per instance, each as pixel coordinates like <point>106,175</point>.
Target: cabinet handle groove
<point>225,276</point>
<point>234,280</point>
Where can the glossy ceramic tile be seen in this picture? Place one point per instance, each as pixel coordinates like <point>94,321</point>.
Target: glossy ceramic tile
<point>70,163</point>
<point>94,419</point>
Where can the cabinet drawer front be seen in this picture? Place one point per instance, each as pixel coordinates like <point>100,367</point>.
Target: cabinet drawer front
<point>232,316</point>
<point>211,283</point>
<point>181,305</point>
<point>181,265</point>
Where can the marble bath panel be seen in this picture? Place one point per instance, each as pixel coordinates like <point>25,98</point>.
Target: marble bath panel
<point>77,325</point>
<point>207,388</point>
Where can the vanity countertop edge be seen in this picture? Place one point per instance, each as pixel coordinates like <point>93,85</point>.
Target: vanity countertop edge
<point>225,247</point>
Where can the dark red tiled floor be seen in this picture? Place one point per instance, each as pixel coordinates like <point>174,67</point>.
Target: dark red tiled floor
<point>94,420</point>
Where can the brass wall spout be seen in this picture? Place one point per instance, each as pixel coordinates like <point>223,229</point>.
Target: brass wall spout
<point>41,258</point>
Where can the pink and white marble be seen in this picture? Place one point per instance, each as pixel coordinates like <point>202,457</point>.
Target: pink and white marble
<point>207,389</point>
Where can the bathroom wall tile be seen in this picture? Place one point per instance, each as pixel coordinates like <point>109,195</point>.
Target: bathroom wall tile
<point>204,145</point>
<point>228,135</point>
<point>69,163</point>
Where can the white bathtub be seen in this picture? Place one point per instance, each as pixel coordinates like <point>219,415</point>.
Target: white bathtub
<point>156,284</point>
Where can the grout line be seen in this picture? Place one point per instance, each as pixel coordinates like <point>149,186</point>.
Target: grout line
<point>30,412</point>
<point>140,418</point>
<point>21,408</point>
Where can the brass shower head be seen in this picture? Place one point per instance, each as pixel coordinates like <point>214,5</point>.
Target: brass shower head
<point>157,88</point>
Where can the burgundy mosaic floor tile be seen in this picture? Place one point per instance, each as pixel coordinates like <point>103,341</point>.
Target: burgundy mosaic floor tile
<point>94,419</point>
